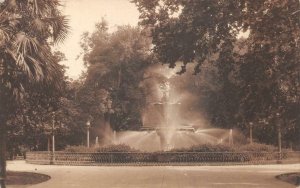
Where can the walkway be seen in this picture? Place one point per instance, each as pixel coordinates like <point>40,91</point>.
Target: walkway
<point>158,177</point>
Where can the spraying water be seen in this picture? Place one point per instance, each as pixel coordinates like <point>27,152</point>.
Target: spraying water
<point>163,127</point>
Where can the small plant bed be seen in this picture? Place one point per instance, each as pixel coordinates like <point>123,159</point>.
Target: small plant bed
<point>25,178</point>
<point>292,178</point>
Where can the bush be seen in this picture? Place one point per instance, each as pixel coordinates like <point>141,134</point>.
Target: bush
<point>255,147</point>
<point>110,148</point>
<point>116,148</point>
<point>206,148</point>
<point>199,153</point>
<point>79,149</point>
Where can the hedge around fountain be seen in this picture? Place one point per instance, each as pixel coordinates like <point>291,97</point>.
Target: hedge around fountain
<point>255,147</point>
<point>196,155</point>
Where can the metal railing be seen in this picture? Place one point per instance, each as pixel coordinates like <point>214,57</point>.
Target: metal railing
<point>162,158</point>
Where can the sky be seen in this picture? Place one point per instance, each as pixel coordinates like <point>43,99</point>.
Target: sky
<point>83,15</point>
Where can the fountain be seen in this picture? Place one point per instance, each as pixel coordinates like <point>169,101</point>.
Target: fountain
<point>163,127</point>
<point>169,127</point>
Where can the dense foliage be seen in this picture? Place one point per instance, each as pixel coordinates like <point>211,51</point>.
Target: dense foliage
<point>242,81</point>
<point>116,62</point>
<point>41,114</point>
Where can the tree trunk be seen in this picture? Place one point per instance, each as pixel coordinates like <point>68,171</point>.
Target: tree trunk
<point>2,153</point>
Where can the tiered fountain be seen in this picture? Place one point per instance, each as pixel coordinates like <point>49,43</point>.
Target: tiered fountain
<point>163,128</point>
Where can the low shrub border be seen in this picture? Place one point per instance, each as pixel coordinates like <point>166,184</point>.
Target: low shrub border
<point>159,158</point>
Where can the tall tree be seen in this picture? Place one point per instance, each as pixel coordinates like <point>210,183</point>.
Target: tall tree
<point>269,70</point>
<point>26,28</point>
<point>116,63</point>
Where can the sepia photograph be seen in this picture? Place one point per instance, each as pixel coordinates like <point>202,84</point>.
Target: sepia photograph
<point>150,93</point>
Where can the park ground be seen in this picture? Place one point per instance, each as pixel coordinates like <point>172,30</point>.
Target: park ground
<point>158,176</point>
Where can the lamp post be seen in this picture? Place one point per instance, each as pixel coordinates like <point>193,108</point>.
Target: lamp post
<point>251,136</point>
<point>279,135</point>
<point>53,140</point>
<point>88,125</point>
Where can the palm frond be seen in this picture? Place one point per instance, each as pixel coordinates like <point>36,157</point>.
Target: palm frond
<point>35,68</point>
<point>25,44</point>
<point>46,7</point>
<point>5,30</point>
<point>48,12</point>
<point>4,35</point>
<point>60,28</point>
<point>26,52</point>
<point>38,25</point>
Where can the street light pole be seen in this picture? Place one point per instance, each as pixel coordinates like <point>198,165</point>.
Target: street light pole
<point>88,123</point>
<point>49,143</point>
<point>53,141</point>
<point>251,136</point>
<point>53,137</point>
<point>279,137</point>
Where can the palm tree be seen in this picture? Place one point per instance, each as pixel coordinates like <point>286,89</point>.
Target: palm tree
<point>28,28</point>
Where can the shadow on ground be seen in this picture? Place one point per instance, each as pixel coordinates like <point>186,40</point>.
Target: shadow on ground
<point>292,178</point>
<point>25,178</point>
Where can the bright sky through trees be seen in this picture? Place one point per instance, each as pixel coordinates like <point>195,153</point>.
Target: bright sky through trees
<point>83,15</point>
